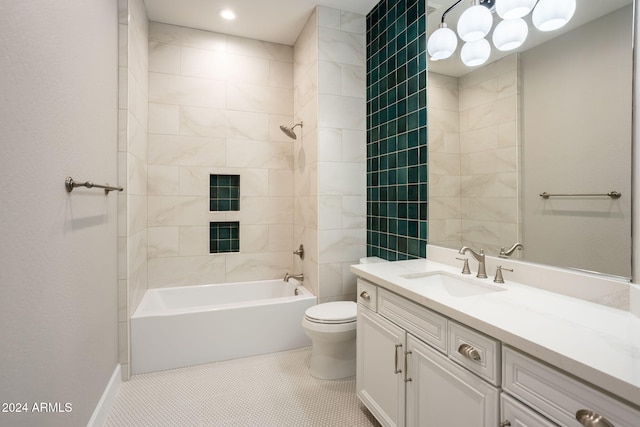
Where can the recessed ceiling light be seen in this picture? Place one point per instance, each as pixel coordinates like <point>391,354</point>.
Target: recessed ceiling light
<point>227,14</point>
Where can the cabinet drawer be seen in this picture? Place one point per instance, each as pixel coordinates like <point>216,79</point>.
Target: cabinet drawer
<point>515,414</point>
<point>475,351</point>
<point>559,396</point>
<point>430,327</point>
<point>367,294</point>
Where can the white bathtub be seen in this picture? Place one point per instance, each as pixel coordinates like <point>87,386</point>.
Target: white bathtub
<point>177,327</point>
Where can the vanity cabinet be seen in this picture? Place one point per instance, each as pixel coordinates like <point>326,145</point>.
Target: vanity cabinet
<point>404,374</point>
<point>417,368</point>
<point>379,378</point>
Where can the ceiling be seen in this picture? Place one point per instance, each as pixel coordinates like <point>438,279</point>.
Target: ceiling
<point>276,21</point>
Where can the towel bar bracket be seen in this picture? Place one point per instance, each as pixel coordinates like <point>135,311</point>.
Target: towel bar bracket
<point>70,184</point>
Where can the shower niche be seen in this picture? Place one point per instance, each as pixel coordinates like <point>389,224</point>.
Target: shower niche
<point>224,196</point>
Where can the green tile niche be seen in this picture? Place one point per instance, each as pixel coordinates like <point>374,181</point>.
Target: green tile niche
<point>224,237</point>
<point>397,130</point>
<point>224,193</point>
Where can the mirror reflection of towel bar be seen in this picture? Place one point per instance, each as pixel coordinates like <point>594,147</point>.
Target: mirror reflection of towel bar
<point>612,194</point>
<point>70,184</point>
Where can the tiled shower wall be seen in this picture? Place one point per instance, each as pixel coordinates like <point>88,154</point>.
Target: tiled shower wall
<point>132,167</point>
<point>330,156</point>
<point>474,157</point>
<point>215,106</point>
<point>397,130</point>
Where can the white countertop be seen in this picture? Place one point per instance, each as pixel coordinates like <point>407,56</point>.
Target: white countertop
<point>596,343</point>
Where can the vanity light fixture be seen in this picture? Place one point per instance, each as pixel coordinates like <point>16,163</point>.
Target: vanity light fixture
<point>227,14</point>
<point>476,22</point>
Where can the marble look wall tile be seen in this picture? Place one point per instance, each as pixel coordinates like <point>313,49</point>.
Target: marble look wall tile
<point>186,150</point>
<point>123,45</point>
<point>329,78</point>
<point>258,154</point>
<point>281,238</point>
<point>342,47</point>
<point>341,112</point>
<point>444,186</point>
<point>479,95</point>
<point>163,180</point>
<point>177,211</point>
<point>329,145</point>
<point>328,17</point>
<point>189,91</point>
<point>203,63</point>
<point>280,182</point>
<point>257,266</point>
<point>223,123</point>
<point>164,58</point>
<point>330,281</point>
<point>194,240</point>
<point>492,70</point>
<point>266,210</point>
<point>493,161</point>
<point>136,213</point>
<point>486,232</point>
<point>164,119</point>
<point>353,81</point>
<point>281,74</point>
<point>259,49</point>
<point>354,212</point>
<point>186,271</point>
<point>354,143</point>
<point>444,208</point>
<point>348,179</point>
<point>166,33</point>
<point>338,245</point>
<point>254,238</point>
<point>306,88</point>
<point>444,164</point>
<point>261,99</point>
<point>482,139</point>
<point>248,70</point>
<point>136,175</point>
<point>353,23</point>
<point>508,84</point>
<point>448,121</point>
<point>329,212</point>
<point>498,209</point>
<point>501,111</point>
<point>163,242</point>
<point>306,212</point>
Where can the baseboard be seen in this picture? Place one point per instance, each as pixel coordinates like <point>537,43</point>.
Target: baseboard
<point>106,401</point>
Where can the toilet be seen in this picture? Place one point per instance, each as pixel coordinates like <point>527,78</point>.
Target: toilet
<point>331,326</point>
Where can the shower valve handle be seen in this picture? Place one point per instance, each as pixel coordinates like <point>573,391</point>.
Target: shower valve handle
<point>299,252</point>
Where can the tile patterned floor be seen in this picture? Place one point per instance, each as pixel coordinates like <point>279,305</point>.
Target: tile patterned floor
<point>272,390</point>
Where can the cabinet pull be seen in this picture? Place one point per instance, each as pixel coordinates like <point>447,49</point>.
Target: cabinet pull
<point>592,419</point>
<point>395,369</point>
<point>365,295</point>
<point>469,352</point>
<point>506,423</point>
<point>406,368</point>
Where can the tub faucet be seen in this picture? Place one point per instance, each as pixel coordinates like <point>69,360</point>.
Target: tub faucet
<point>505,253</point>
<point>288,276</point>
<point>482,272</point>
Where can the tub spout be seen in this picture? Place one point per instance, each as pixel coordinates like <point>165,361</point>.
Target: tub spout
<point>288,276</point>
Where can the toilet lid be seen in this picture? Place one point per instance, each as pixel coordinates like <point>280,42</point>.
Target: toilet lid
<point>333,312</point>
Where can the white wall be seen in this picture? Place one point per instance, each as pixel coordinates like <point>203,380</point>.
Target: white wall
<point>58,262</point>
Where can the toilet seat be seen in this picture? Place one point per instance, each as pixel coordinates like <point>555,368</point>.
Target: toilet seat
<point>331,313</point>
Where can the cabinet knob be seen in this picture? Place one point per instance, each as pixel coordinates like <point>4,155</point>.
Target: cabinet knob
<point>469,352</point>
<point>506,423</point>
<point>365,295</point>
<point>592,419</point>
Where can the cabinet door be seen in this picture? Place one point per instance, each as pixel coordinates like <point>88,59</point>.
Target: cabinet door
<point>442,393</point>
<point>515,414</point>
<point>379,377</point>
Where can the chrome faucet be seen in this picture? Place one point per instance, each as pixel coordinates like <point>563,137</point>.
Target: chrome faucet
<point>288,276</point>
<point>482,272</point>
<point>505,254</point>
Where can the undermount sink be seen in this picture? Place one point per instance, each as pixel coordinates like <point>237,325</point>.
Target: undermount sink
<point>450,284</point>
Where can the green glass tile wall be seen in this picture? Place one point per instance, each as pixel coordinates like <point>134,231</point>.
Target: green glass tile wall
<point>224,237</point>
<point>224,193</point>
<point>397,130</point>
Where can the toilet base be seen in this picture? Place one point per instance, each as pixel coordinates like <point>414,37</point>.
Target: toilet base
<point>332,361</point>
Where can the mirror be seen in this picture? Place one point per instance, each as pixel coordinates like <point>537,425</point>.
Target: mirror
<point>552,117</point>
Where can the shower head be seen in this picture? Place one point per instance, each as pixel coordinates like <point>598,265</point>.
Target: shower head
<point>289,130</point>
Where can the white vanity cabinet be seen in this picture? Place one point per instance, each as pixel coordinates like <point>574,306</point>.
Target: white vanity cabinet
<point>515,414</point>
<point>404,374</point>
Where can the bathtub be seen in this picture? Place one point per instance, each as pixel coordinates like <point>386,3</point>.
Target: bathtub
<point>178,327</point>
